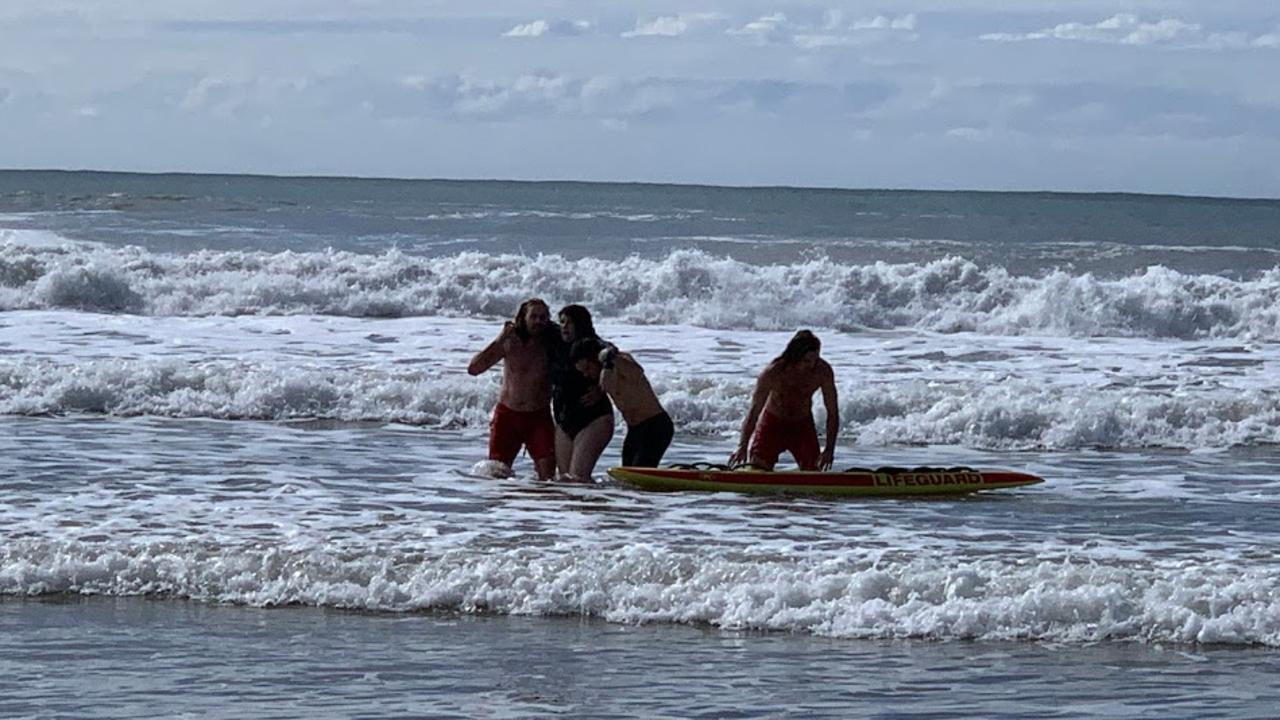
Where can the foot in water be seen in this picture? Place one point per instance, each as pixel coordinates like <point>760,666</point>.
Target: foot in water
<point>493,469</point>
<point>570,478</point>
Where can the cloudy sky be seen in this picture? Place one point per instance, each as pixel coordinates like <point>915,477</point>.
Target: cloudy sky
<point>1175,96</point>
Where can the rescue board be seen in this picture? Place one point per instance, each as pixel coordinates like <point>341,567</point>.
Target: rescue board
<point>864,482</point>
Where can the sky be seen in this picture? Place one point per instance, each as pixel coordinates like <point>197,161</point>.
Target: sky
<point>1159,96</point>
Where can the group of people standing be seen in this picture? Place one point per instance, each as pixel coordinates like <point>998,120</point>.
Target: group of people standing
<point>561,382</point>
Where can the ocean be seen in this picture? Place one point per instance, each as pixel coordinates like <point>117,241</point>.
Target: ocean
<point>239,442</point>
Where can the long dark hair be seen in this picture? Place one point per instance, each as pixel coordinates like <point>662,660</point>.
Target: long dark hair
<point>801,344</point>
<point>583,328</point>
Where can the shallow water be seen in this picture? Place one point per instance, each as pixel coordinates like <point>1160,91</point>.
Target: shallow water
<point>1156,547</point>
<point>134,658</point>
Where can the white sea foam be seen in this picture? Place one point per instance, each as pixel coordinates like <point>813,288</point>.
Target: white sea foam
<point>236,390</point>
<point>948,295</point>
<point>854,595</point>
<point>1010,415</point>
<point>30,238</point>
<point>894,388</point>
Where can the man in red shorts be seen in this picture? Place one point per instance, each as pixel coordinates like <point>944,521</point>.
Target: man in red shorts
<point>522,416</point>
<point>783,405</point>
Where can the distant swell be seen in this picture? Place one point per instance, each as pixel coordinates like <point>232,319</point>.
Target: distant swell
<point>855,596</point>
<point>689,287</point>
<point>1009,415</point>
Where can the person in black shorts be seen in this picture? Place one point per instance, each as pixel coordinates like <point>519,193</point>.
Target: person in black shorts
<point>649,427</point>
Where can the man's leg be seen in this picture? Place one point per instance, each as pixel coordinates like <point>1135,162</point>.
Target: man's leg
<point>504,435</point>
<point>541,444</point>
<point>804,446</point>
<point>631,446</point>
<point>545,467</point>
<point>766,442</point>
<point>655,437</point>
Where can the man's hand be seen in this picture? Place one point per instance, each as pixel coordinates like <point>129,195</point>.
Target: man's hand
<point>739,456</point>
<point>593,395</point>
<point>607,355</point>
<point>828,457</point>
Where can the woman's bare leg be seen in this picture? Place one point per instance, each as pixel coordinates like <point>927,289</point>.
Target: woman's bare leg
<point>564,451</point>
<point>588,446</point>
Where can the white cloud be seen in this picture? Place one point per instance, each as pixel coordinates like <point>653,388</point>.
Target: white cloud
<point>229,97</point>
<point>833,31</point>
<point>1158,32</point>
<point>1128,29</point>
<point>1228,41</point>
<point>767,29</point>
<point>653,101</point>
<point>1270,40</point>
<point>672,25</point>
<point>881,22</point>
<point>969,133</point>
<point>203,93</point>
<point>414,82</point>
<point>906,22</point>
<point>546,92</point>
<point>538,28</point>
<point>813,42</point>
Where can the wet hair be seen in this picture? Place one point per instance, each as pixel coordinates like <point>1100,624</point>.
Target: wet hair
<point>587,348</point>
<point>801,344</point>
<point>581,318</point>
<point>521,330</point>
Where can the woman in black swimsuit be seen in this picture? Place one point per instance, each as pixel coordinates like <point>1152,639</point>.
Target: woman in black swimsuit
<point>583,413</point>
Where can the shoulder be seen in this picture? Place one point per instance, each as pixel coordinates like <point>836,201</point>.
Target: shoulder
<point>824,369</point>
<point>771,372</point>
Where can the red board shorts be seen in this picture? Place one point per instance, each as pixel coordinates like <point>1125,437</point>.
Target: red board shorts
<point>510,429</point>
<point>774,435</point>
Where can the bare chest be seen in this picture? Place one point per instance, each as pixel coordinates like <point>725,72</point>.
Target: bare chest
<point>525,358</point>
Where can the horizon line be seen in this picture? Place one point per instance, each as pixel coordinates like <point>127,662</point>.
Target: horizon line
<point>650,183</point>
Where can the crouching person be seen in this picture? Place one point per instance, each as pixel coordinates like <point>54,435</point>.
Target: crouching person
<point>649,428</point>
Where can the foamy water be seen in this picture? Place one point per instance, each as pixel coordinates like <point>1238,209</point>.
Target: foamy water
<point>256,398</point>
<point>896,387</point>
<point>947,295</point>
<point>378,518</point>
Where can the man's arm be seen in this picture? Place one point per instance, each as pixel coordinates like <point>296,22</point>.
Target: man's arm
<point>758,398</point>
<point>832,403</point>
<point>492,353</point>
<point>611,358</point>
<point>616,364</point>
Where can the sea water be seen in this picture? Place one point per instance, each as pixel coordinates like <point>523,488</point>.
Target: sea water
<point>238,442</point>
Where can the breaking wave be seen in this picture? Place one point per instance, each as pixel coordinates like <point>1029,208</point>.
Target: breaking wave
<point>948,295</point>
<point>855,595</point>
<point>1017,414</point>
